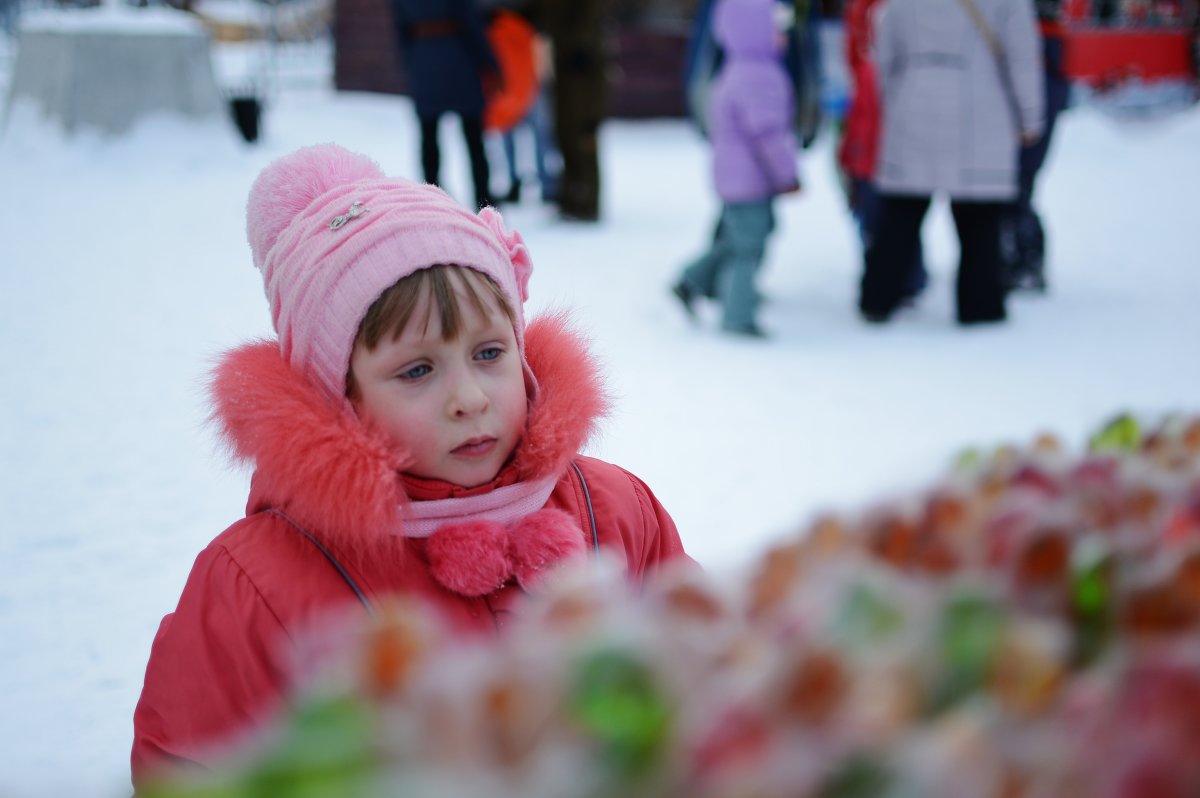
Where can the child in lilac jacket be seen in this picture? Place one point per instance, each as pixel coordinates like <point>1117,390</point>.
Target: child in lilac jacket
<point>754,160</point>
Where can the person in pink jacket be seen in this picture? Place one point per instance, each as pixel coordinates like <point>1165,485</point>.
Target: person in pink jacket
<point>409,435</point>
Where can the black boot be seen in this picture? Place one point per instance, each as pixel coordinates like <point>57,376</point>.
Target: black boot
<point>514,192</point>
<point>687,298</point>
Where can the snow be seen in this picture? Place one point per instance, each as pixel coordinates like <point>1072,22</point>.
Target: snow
<point>124,271</point>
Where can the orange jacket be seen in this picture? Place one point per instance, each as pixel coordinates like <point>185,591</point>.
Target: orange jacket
<point>514,42</point>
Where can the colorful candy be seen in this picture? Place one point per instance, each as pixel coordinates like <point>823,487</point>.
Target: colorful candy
<point>1030,626</point>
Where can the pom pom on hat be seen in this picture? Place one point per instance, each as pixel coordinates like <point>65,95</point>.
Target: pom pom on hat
<point>331,233</point>
<point>289,185</point>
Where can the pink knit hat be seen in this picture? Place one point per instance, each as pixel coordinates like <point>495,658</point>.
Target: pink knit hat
<point>330,233</point>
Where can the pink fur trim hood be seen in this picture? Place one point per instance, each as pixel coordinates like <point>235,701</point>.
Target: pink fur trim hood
<point>314,459</point>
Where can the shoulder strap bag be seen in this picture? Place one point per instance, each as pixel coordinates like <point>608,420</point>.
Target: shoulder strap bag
<point>997,48</point>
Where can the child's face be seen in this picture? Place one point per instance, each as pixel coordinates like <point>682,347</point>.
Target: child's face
<point>458,406</point>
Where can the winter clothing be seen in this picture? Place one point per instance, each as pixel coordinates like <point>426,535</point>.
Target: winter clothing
<point>576,31</point>
<point>947,123</point>
<point>332,520</point>
<point>431,156</point>
<point>979,288</point>
<point>546,157</point>
<point>446,53</point>
<point>754,159</point>
<point>330,232</point>
<point>220,661</point>
<point>950,125</point>
<point>538,123</point>
<point>514,42</point>
<point>446,59</point>
<point>1025,237</point>
<point>858,151</point>
<point>754,153</point>
<point>728,269</point>
<point>801,60</point>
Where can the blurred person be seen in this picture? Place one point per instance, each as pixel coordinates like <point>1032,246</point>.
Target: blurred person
<point>517,43</point>
<point>961,85</point>
<point>754,160</point>
<point>547,161</point>
<point>801,58</point>
<point>858,150</point>
<point>447,61</point>
<point>411,437</point>
<point>1025,236</point>
<point>576,29</point>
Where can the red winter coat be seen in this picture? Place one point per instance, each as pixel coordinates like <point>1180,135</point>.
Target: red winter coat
<point>859,149</point>
<point>220,662</point>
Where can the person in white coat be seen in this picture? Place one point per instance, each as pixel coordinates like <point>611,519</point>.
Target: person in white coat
<point>961,87</point>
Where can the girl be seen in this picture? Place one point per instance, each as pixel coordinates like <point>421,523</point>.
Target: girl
<point>409,435</point>
<point>754,160</point>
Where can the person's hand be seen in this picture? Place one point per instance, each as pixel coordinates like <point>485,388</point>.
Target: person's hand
<point>1029,138</point>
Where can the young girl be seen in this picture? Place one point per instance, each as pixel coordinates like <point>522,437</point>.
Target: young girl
<point>409,435</point>
<point>754,160</point>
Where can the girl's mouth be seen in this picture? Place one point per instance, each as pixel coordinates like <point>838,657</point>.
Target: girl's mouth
<point>475,447</point>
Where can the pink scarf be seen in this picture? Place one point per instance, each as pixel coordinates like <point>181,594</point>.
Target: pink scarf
<point>502,505</point>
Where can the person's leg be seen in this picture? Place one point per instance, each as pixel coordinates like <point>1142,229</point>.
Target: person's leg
<point>472,127</point>
<point>580,84</point>
<point>865,210</point>
<point>980,288</point>
<point>745,227</point>
<point>700,277</point>
<point>894,247</point>
<point>431,157</point>
<point>1026,249</point>
<point>508,140</point>
<point>1029,236</point>
<point>546,157</point>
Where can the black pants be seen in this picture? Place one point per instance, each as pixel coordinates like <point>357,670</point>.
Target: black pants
<point>431,156</point>
<point>1024,236</point>
<point>980,289</point>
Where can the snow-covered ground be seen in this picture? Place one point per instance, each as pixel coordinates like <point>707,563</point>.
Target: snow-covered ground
<point>124,270</point>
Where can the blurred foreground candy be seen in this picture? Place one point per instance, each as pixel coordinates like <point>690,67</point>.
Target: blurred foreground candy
<point>1029,626</point>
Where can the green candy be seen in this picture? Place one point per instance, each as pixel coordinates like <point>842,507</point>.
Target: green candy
<point>1092,604</point>
<point>860,776</point>
<point>323,752</point>
<point>969,635</point>
<point>1122,434</point>
<point>615,699</point>
<point>867,617</point>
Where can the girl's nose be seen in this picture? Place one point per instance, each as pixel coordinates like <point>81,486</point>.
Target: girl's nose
<point>467,397</point>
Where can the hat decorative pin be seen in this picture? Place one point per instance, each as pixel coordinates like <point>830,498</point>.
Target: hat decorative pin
<point>356,210</point>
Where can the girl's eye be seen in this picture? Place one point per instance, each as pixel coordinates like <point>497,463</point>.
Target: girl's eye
<point>491,353</point>
<point>415,373</point>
